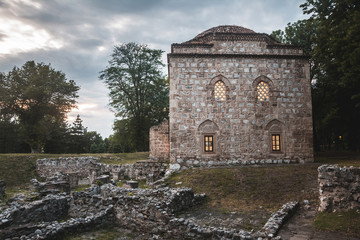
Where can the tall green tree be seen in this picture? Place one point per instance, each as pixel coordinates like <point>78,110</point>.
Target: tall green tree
<point>337,50</point>
<point>331,36</point>
<point>37,95</point>
<point>138,90</point>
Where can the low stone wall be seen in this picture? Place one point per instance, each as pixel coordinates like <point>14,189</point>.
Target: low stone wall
<point>80,165</point>
<point>149,211</point>
<point>183,165</point>
<point>159,142</point>
<point>339,188</point>
<point>50,208</point>
<point>2,188</point>
<point>141,170</point>
<point>91,168</point>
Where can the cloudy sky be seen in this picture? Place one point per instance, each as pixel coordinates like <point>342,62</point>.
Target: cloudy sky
<point>77,36</point>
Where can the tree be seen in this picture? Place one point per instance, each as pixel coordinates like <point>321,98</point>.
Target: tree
<point>331,37</point>
<point>37,95</point>
<point>337,50</point>
<point>138,90</point>
<point>77,136</point>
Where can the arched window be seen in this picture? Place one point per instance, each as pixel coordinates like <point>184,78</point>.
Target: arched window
<point>220,91</point>
<point>263,91</point>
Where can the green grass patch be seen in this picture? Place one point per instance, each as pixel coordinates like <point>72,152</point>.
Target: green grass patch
<point>340,158</point>
<point>81,188</point>
<point>123,158</point>
<point>346,222</point>
<point>247,188</point>
<point>104,233</point>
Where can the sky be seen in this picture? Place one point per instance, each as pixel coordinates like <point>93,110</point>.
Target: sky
<point>77,37</point>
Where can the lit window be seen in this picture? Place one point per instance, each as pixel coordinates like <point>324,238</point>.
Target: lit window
<point>220,91</point>
<point>208,143</point>
<point>276,142</point>
<point>263,91</point>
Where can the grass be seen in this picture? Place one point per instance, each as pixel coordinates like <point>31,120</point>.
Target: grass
<point>227,189</point>
<point>341,158</point>
<point>347,222</point>
<point>104,233</point>
<point>247,188</point>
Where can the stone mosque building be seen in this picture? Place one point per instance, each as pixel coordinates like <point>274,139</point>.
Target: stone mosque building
<point>236,97</point>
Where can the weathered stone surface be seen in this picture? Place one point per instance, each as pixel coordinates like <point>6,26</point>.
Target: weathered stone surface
<point>159,144</point>
<point>80,165</point>
<point>50,208</point>
<point>339,188</point>
<point>58,183</point>
<point>150,211</point>
<point>77,168</point>
<point>241,125</point>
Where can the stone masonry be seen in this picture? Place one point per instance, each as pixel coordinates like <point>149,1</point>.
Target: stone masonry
<point>89,168</point>
<point>238,95</point>
<point>159,142</point>
<point>339,188</point>
<point>151,212</point>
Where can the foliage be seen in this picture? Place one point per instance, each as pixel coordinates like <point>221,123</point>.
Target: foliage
<point>331,37</point>
<point>37,96</point>
<point>138,92</point>
<point>337,89</point>
<point>11,139</point>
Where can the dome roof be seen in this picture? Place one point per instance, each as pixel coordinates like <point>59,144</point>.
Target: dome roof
<point>222,29</point>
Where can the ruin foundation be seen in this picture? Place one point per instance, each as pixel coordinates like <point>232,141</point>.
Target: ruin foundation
<point>339,188</point>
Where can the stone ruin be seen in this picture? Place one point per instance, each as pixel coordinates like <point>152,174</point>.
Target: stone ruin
<point>87,170</point>
<point>54,211</point>
<point>148,211</point>
<point>339,188</point>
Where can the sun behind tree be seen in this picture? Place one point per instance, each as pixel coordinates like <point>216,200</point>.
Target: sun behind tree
<point>37,95</point>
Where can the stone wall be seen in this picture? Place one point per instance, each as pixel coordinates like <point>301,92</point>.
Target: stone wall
<point>79,165</point>
<point>339,188</point>
<point>242,125</point>
<point>141,170</point>
<point>159,142</point>
<point>50,208</point>
<point>90,167</point>
<point>151,212</point>
<point>2,188</point>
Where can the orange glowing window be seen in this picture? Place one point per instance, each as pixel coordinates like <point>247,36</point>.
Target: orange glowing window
<point>220,91</point>
<point>208,143</point>
<point>276,142</point>
<point>263,91</point>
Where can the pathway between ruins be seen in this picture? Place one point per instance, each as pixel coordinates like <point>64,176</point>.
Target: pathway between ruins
<point>299,227</point>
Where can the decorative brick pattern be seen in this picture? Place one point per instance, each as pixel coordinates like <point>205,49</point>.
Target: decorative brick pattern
<point>244,123</point>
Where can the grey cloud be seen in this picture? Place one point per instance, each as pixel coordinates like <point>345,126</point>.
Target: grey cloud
<point>85,25</point>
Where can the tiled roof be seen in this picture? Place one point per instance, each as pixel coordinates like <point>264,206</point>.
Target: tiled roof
<point>223,29</point>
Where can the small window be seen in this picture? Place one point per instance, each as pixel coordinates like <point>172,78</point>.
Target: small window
<point>263,92</point>
<point>276,142</point>
<point>220,91</point>
<point>208,143</point>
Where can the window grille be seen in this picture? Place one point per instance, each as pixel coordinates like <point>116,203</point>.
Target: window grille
<point>263,91</point>
<point>276,142</point>
<point>208,143</point>
<point>220,91</point>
